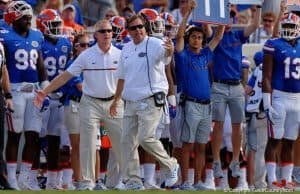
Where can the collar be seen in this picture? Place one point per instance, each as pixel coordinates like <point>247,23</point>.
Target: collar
<point>98,49</point>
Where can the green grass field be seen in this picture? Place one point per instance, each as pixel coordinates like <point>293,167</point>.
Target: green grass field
<point>127,192</point>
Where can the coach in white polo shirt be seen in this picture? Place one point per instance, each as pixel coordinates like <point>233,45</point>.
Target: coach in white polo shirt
<point>98,64</point>
<point>141,75</point>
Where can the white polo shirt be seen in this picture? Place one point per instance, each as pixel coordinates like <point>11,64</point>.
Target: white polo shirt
<point>136,72</point>
<point>99,71</point>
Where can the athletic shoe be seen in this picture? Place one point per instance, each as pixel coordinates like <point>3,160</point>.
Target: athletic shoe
<point>208,185</point>
<point>187,187</point>
<point>288,185</point>
<point>53,186</point>
<point>242,186</point>
<point>223,185</point>
<point>275,186</point>
<point>100,186</point>
<point>24,182</point>
<point>217,168</point>
<point>134,186</point>
<point>172,176</point>
<point>235,169</point>
<point>149,186</point>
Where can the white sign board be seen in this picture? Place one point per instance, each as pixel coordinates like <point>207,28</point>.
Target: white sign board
<point>212,11</point>
<point>247,2</point>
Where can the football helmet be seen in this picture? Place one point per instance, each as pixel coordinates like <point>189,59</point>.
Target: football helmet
<point>170,24</point>
<point>118,27</point>
<point>154,23</point>
<point>50,23</point>
<point>289,26</point>
<point>16,10</point>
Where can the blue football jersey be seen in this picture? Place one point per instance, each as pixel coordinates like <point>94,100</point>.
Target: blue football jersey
<point>21,54</point>
<point>286,68</point>
<point>56,55</point>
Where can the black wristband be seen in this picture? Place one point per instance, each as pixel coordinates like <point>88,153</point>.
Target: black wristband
<point>258,6</point>
<point>8,95</point>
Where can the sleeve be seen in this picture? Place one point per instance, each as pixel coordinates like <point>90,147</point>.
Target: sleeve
<point>269,47</point>
<point>208,54</point>
<point>241,36</point>
<point>77,66</point>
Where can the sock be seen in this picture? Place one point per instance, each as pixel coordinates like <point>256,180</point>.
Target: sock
<point>25,169</point>
<point>278,172</point>
<point>67,176</point>
<point>142,172</point>
<point>286,172</point>
<point>271,172</point>
<point>33,174</point>
<point>59,180</point>
<point>225,178</point>
<point>209,174</point>
<point>243,179</point>
<point>103,177</point>
<point>191,175</point>
<point>157,176</point>
<point>149,171</point>
<point>296,170</point>
<point>52,177</point>
<point>11,171</point>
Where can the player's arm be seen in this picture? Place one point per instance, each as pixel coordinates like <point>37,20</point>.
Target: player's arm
<point>283,8</point>
<point>182,27</point>
<point>42,72</point>
<point>254,24</point>
<point>267,69</point>
<point>217,37</point>
<point>6,88</point>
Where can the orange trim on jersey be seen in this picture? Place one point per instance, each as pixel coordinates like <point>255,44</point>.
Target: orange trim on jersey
<point>287,164</point>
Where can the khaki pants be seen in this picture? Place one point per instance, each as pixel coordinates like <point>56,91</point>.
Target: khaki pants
<point>91,112</point>
<point>141,119</point>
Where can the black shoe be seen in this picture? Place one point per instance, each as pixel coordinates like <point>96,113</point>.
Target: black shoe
<point>4,185</point>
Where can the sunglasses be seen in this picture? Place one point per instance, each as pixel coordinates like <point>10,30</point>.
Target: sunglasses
<point>266,20</point>
<point>140,26</point>
<point>83,44</point>
<point>103,31</point>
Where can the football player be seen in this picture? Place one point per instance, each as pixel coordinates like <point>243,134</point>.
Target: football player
<point>27,74</point>
<point>56,51</point>
<point>281,98</point>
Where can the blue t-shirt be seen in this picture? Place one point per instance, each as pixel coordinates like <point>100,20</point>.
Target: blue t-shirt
<point>194,72</point>
<point>286,66</point>
<point>22,54</point>
<point>70,89</point>
<point>228,56</point>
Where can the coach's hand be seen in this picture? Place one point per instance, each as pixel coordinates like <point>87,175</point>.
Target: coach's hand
<point>39,98</point>
<point>113,108</point>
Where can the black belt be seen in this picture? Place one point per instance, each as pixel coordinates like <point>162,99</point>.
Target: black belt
<point>75,98</point>
<point>204,102</point>
<point>106,99</point>
<point>229,82</point>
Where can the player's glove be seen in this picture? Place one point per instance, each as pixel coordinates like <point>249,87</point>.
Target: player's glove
<point>268,107</point>
<point>172,106</point>
<point>45,105</point>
